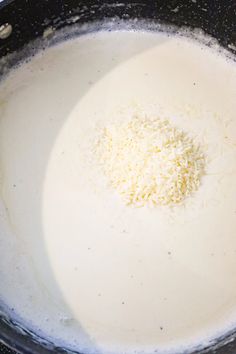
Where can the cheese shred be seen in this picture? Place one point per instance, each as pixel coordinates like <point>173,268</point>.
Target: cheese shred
<point>150,162</point>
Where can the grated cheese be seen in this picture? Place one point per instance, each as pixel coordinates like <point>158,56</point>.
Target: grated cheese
<point>148,161</point>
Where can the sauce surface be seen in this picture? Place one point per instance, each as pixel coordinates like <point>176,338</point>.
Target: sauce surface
<point>86,270</point>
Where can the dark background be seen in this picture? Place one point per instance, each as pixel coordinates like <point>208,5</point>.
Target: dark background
<point>4,350</point>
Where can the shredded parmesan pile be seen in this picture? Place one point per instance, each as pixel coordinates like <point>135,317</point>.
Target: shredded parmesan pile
<point>148,161</point>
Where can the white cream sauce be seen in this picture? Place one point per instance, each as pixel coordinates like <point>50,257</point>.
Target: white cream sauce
<point>76,264</point>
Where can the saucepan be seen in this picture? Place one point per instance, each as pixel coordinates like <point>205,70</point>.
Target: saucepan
<point>22,21</point>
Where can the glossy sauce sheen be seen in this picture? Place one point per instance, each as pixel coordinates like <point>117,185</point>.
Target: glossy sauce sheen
<point>77,265</point>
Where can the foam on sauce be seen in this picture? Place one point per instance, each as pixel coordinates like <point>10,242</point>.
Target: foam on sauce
<point>85,270</point>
